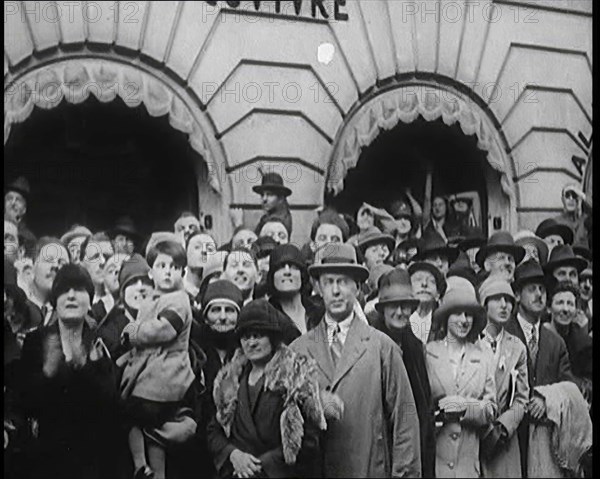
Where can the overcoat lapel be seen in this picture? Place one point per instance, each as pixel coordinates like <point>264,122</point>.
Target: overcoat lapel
<point>318,347</point>
<point>543,355</point>
<point>354,348</point>
<point>472,364</point>
<point>440,359</point>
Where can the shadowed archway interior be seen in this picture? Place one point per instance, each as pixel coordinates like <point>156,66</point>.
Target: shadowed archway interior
<point>93,162</point>
<point>397,160</point>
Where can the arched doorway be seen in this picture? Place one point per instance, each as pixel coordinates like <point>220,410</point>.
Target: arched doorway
<point>399,160</point>
<point>93,162</point>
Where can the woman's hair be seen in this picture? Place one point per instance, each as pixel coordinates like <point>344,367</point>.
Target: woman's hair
<point>170,248</point>
<point>305,285</point>
<point>441,329</point>
<point>562,287</point>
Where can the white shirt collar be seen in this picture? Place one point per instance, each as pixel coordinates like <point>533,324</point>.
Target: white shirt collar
<point>344,327</point>
<point>527,328</point>
<point>421,325</point>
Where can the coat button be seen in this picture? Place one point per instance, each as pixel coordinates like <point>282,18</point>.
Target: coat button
<point>328,388</point>
<point>454,436</point>
<point>451,465</point>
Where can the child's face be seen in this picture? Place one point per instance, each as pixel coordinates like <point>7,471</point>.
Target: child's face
<point>165,274</point>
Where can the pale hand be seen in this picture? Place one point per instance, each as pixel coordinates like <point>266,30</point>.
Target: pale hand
<point>453,404</point>
<point>244,465</point>
<point>537,408</point>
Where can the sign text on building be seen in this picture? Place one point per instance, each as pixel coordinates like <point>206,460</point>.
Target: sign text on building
<point>318,9</point>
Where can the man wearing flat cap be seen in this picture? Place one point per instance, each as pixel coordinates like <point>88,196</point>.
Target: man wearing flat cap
<point>378,433</point>
<point>273,194</point>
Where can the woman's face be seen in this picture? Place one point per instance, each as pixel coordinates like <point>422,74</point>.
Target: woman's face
<point>243,239</point>
<point>403,225</point>
<point>73,305</point>
<point>199,249</point>
<point>365,219</point>
<point>256,346</point>
<point>375,255</point>
<point>222,317</point>
<point>135,293</point>
<point>275,230</point>
<point>287,279</point>
<point>459,325</point>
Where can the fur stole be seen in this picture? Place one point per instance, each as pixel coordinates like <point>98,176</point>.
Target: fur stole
<point>294,377</point>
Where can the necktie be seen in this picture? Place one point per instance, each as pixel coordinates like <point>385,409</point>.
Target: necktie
<point>336,345</point>
<point>493,344</point>
<point>533,346</point>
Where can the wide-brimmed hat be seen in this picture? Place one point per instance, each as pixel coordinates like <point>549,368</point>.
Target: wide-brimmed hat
<point>338,258</point>
<point>562,255</point>
<point>431,242</point>
<point>474,238</point>
<point>495,286</point>
<point>133,268</point>
<point>551,226</point>
<point>440,281</point>
<point>529,271</point>
<point>374,237</point>
<point>74,232</point>
<point>500,241</point>
<point>462,267</point>
<point>460,297</point>
<point>524,237</point>
<point>260,315</point>
<point>272,182</point>
<point>20,185</point>
<point>395,287</point>
<point>124,225</point>
<point>222,290</point>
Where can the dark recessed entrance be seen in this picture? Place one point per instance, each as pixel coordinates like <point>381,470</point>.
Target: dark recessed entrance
<point>399,158</point>
<point>93,162</point>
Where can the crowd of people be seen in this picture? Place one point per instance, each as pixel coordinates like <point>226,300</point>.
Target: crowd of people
<point>388,345</point>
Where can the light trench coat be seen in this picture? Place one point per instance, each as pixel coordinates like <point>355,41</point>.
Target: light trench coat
<point>512,393</point>
<point>457,443</point>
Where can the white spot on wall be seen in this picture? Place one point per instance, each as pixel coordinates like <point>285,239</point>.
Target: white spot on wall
<point>325,53</point>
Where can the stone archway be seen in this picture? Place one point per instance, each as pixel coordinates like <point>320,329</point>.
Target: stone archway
<point>75,77</point>
<point>431,100</point>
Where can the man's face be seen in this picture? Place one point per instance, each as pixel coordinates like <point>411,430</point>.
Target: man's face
<point>187,226</point>
<point>438,260</point>
<point>586,286</point>
<point>376,254</point>
<point>275,230</point>
<point>339,294</point>
<point>461,207</point>
<point>532,298</point>
<point>52,257</point>
<point>403,225</point>
<point>15,206</point>
<point>111,274</point>
<point>269,200</point>
<point>397,315</point>
<point>243,239</point>
<point>136,292</point>
<point>438,208</point>
<point>222,317</point>
<point>199,250</point>
<point>424,286</point>
<point>11,241</point>
<point>570,202</point>
<point>567,273</point>
<point>123,244</point>
<point>327,233</point>
<point>94,262</point>
<point>563,308</point>
<point>552,241</point>
<point>241,270</point>
<point>74,247</point>
<point>165,273</point>
<point>499,308</point>
<point>502,264</point>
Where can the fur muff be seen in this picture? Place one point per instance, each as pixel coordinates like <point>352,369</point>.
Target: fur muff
<point>293,376</point>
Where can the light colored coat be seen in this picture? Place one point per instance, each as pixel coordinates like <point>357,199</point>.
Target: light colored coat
<point>378,435</point>
<point>511,379</point>
<point>457,443</point>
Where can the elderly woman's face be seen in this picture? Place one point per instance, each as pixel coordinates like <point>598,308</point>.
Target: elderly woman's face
<point>73,305</point>
<point>222,316</point>
<point>256,346</point>
<point>459,325</point>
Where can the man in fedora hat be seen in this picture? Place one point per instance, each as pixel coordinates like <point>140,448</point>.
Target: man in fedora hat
<point>187,225</point>
<point>395,305</point>
<point>500,255</point>
<point>500,445</point>
<point>273,194</point>
<point>554,233</point>
<point>125,236</point>
<point>563,265</point>
<point>378,433</point>
<point>547,356</point>
<point>16,196</point>
<point>434,250</point>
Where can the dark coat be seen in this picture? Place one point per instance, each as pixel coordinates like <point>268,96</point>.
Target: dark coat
<point>314,307</point>
<point>552,366</point>
<point>413,353</point>
<point>282,212</point>
<point>75,409</point>
<point>110,329</point>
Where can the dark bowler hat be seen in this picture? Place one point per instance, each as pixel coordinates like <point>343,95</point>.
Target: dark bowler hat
<point>395,287</point>
<point>125,226</point>
<point>500,241</point>
<point>562,255</point>
<point>432,243</point>
<point>260,315</point>
<point>473,239</point>
<point>338,258</point>
<point>553,227</point>
<point>528,272</point>
<point>374,237</point>
<point>272,182</point>
<point>20,185</point>
<point>583,251</point>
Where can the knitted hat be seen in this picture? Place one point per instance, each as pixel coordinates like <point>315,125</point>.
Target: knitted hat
<point>132,269</point>
<point>495,286</point>
<point>71,276</point>
<point>329,216</point>
<point>225,291</point>
<point>260,315</point>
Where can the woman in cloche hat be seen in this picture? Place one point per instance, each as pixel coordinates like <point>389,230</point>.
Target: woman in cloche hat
<point>461,376</point>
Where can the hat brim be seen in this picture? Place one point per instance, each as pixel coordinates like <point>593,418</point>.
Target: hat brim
<point>448,251</point>
<point>358,272</point>
<point>67,237</point>
<point>124,231</point>
<point>519,283</point>
<point>389,241</point>
<point>579,263</point>
<point>278,189</point>
<point>414,303</point>
<point>583,252</point>
<point>437,274</point>
<point>564,231</point>
<point>469,243</point>
<point>22,192</point>
<point>517,252</point>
